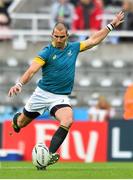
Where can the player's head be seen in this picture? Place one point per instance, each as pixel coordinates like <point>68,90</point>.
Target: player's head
<point>60,35</point>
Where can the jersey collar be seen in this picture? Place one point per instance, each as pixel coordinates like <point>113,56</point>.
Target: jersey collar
<point>53,44</point>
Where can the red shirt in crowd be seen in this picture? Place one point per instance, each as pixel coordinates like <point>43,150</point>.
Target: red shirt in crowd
<point>93,22</point>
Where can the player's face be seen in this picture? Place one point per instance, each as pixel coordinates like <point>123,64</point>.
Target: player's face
<point>59,38</point>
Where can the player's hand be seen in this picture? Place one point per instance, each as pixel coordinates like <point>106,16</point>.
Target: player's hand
<point>118,19</point>
<point>15,89</point>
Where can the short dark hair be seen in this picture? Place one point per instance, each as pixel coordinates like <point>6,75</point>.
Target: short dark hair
<point>60,26</point>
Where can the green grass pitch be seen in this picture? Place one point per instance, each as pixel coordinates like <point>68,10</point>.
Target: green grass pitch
<point>26,170</point>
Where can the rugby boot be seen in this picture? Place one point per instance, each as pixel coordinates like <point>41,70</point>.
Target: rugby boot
<point>16,128</point>
<point>53,158</point>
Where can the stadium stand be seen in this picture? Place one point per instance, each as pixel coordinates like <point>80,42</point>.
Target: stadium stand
<point>105,70</point>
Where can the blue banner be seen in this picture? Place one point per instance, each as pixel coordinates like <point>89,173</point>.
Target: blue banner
<point>120,140</point>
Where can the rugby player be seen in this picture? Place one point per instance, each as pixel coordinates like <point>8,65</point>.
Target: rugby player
<point>57,61</point>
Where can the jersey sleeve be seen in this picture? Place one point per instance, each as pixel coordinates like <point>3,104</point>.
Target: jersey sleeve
<point>43,55</point>
<point>39,60</point>
<point>82,46</point>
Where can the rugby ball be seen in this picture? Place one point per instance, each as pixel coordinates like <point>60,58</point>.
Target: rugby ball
<point>40,155</point>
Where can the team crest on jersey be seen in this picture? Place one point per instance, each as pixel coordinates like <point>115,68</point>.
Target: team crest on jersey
<point>69,53</point>
<point>54,57</point>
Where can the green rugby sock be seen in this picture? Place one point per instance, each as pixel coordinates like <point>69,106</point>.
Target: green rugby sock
<point>58,138</point>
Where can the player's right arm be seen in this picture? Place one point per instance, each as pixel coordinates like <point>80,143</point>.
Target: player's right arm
<point>100,35</point>
<point>26,77</point>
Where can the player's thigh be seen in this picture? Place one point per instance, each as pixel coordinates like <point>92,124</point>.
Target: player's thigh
<point>65,116</point>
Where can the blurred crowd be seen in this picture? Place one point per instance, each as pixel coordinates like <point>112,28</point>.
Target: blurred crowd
<point>87,14</point>
<point>101,110</point>
<point>79,15</point>
<point>76,14</point>
<point>5,19</point>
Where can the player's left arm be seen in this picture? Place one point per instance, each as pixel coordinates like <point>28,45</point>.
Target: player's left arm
<point>100,35</point>
<point>36,64</point>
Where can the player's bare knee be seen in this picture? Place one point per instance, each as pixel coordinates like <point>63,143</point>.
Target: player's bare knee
<point>67,122</point>
<point>70,124</point>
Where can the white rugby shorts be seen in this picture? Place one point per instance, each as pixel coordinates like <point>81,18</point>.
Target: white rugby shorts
<point>41,100</point>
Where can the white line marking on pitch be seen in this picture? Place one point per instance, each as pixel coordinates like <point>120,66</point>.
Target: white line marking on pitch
<point>2,167</point>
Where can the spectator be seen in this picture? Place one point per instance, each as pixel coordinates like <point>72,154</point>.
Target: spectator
<point>4,19</point>
<point>86,15</point>
<point>112,2</point>
<point>62,11</point>
<point>128,23</point>
<point>128,103</point>
<point>4,16</point>
<point>74,2</point>
<point>102,111</point>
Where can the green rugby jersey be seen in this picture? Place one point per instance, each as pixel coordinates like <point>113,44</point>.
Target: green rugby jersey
<point>59,69</point>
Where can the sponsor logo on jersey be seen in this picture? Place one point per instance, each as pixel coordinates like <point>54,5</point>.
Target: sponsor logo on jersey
<point>69,53</point>
<point>54,57</point>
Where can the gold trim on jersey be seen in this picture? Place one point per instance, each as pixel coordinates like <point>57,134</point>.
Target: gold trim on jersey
<point>82,46</point>
<point>39,60</point>
<point>53,44</point>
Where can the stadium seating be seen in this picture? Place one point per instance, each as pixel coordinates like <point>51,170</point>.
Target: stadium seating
<point>105,70</point>
<point>105,77</point>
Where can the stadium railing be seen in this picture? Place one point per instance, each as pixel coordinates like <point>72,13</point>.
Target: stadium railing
<point>34,33</point>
